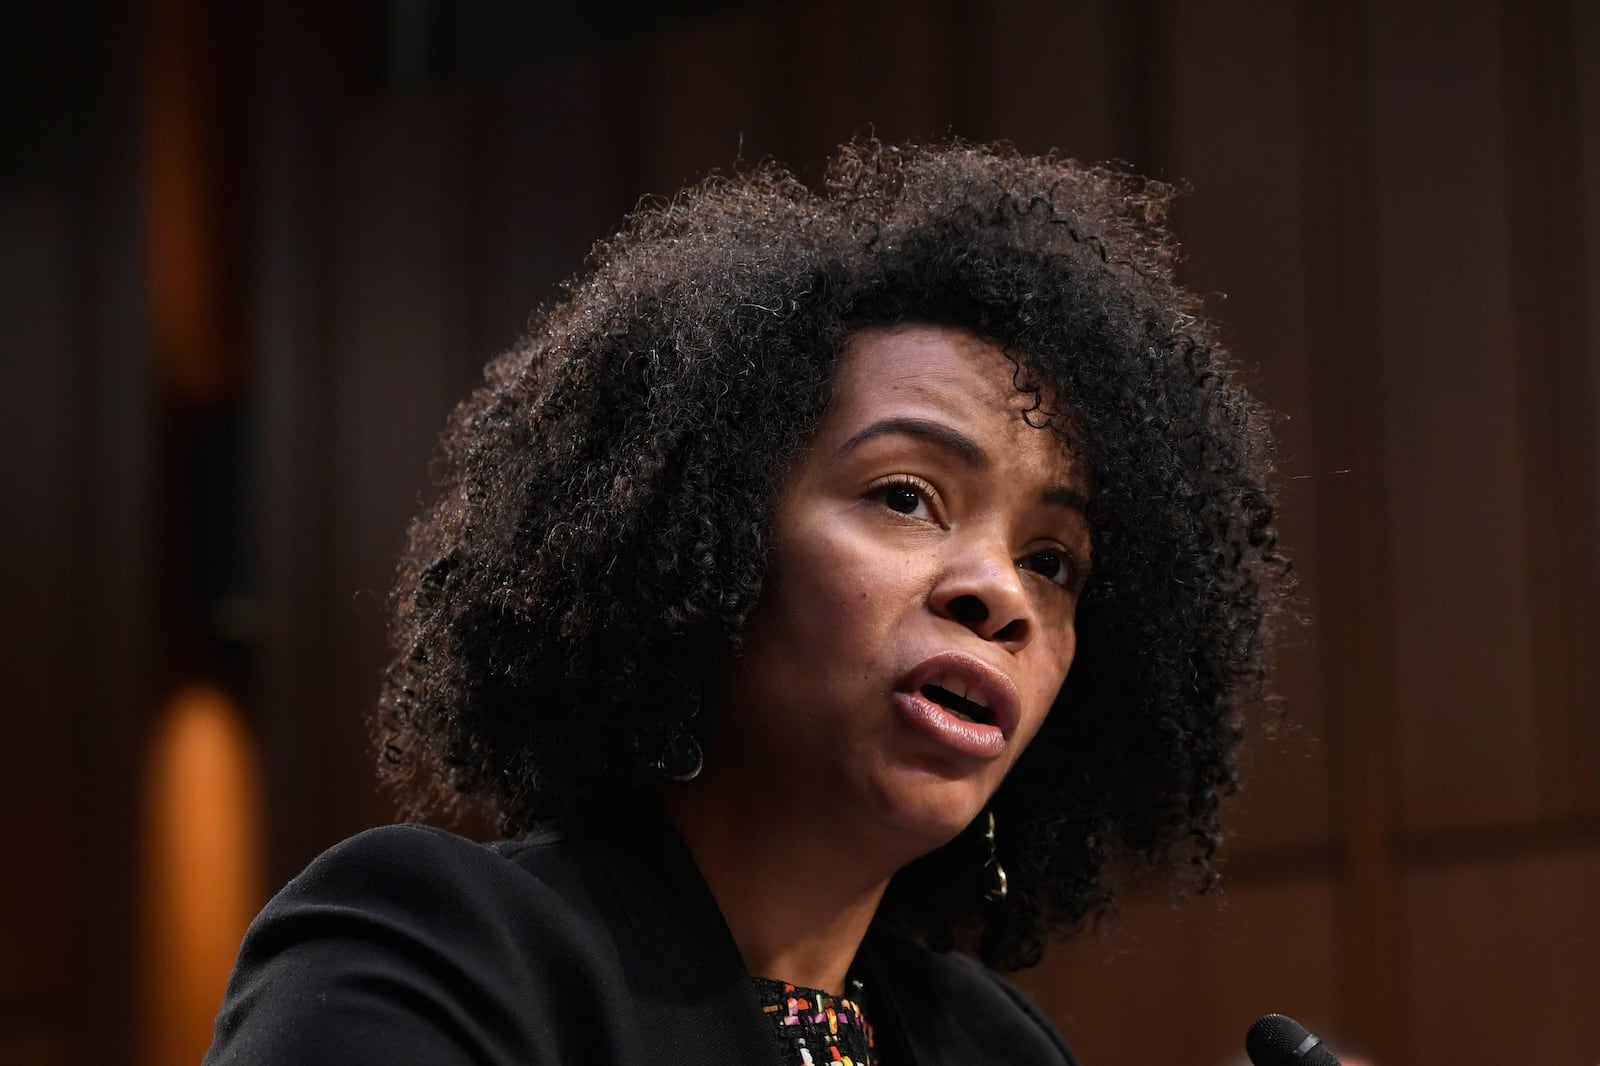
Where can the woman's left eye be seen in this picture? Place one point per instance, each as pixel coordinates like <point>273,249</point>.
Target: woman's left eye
<point>1053,564</point>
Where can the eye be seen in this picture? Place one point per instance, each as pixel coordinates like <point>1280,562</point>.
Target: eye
<point>911,497</point>
<point>902,498</point>
<point>1053,564</point>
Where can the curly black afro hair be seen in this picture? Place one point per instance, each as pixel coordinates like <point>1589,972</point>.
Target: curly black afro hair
<point>602,531</point>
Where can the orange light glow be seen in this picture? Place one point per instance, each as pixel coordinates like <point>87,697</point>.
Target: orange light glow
<point>202,881</point>
<point>184,194</point>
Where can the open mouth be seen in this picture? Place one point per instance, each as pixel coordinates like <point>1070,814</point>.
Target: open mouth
<point>960,706</point>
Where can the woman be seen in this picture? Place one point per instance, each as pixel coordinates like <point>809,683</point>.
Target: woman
<point>830,579</point>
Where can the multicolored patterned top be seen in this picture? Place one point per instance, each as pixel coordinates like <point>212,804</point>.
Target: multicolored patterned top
<point>813,1028</point>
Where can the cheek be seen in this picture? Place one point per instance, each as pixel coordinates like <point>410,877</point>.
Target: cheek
<point>841,604</point>
<point>812,606</point>
<point>1049,672</point>
<point>843,576</point>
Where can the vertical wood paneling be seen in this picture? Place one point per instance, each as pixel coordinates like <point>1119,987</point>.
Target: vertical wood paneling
<point>1440,244</point>
<point>34,1050</point>
<point>40,276</point>
<point>1505,967</point>
<point>1553,371</point>
<point>851,69</point>
<point>37,257</point>
<point>1183,985</point>
<point>553,176</point>
<point>707,93</point>
<point>114,592</point>
<point>1357,651</point>
<point>1584,40</point>
<point>401,318</point>
<point>1048,75</point>
<point>288,284</point>
<point>1241,230</point>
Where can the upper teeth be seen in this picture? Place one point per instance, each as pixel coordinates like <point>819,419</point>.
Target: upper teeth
<point>959,686</point>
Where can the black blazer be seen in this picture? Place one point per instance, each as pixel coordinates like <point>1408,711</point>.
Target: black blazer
<point>409,944</point>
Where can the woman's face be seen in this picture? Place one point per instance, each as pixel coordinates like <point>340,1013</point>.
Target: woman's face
<point>917,620</point>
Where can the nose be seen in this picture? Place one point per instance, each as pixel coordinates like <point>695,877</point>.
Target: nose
<point>982,589</point>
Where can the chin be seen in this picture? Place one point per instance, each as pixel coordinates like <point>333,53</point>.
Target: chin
<point>927,811</point>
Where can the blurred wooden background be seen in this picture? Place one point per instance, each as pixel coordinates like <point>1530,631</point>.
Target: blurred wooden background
<point>251,254</point>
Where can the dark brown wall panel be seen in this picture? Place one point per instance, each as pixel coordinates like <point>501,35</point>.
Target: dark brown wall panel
<point>889,68</point>
<point>1552,372</point>
<point>22,1049</point>
<point>289,279</point>
<point>1183,985</point>
<point>1585,44</point>
<point>400,326</point>
<point>37,258</point>
<point>552,172</point>
<point>1048,75</point>
<point>1586,49</point>
<point>120,660</point>
<point>707,92</point>
<point>1240,150</point>
<point>1504,962</point>
<point>1440,244</point>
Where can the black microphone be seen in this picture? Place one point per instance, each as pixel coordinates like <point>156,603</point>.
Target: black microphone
<point>1278,1041</point>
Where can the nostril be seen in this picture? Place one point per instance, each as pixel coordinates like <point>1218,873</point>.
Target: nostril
<point>969,610</point>
<point>1012,630</point>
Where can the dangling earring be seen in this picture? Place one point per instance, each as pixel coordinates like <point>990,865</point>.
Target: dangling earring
<point>681,759</point>
<point>997,873</point>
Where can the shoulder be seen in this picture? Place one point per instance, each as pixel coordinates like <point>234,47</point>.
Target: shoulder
<point>408,860</point>
<point>947,999</point>
<point>431,882</point>
<point>415,945</point>
<point>426,867</point>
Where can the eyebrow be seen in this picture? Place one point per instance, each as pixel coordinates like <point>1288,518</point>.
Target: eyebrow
<point>962,446</point>
<point>1066,496</point>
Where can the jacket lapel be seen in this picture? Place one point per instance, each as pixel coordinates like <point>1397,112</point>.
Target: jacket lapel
<point>683,960</point>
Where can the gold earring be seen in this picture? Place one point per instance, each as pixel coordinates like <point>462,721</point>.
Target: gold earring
<point>997,873</point>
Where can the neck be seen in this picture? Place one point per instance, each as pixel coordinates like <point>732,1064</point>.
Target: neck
<point>790,924</point>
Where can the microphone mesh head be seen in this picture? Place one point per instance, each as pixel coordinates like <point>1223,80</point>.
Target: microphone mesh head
<point>1274,1039</point>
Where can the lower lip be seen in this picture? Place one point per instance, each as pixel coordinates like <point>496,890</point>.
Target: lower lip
<point>976,740</point>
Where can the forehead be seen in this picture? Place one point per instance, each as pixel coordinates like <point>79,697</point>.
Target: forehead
<point>946,374</point>
<point>925,362</point>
